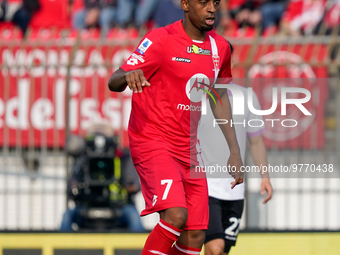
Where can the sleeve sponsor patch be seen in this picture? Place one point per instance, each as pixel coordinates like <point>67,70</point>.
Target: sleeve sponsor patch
<point>133,59</point>
<point>143,47</point>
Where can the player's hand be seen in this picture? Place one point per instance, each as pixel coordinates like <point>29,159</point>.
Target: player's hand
<point>266,186</point>
<point>136,80</point>
<point>238,180</point>
<point>235,163</point>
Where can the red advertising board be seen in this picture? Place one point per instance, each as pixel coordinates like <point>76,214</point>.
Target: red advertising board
<point>33,91</point>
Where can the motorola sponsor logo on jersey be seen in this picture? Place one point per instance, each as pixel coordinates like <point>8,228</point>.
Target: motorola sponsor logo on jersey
<point>195,90</point>
<point>191,108</point>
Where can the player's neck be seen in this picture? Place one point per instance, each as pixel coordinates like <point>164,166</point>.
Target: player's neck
<point>193,32</point>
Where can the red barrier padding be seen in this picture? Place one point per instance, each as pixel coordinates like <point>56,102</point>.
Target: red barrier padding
<point>9,32</point>
<point>123,34</point>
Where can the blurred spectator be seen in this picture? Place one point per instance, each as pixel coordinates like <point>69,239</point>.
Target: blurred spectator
<point>136,11</point>
<point>226,9</point>
<point>95,13</point>
<point>168,12</point>
<point>271,12</point>
<point>52,13</point>
<point>331,20</point>
<point>332,25</point>
<point>302,16</point>
<point>249,14</point>
<point>264,13</point>
<point>332,17</point>
<point>20,12</point>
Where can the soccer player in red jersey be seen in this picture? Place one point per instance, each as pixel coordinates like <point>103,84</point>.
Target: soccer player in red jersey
<point>166,108</point>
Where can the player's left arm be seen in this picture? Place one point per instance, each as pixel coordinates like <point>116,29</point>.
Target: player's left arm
<point>223,111</point>
<point>259,154</point>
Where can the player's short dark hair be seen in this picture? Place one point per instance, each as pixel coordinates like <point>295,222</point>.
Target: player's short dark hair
<point>231,48</point>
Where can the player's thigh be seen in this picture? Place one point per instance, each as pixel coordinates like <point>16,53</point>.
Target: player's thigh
<point>161,182</point>
<point>196,190</point>
<point>232,212</point>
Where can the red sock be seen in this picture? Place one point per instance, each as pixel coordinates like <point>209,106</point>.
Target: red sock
<point>161,239</point>
<point>180,249</point>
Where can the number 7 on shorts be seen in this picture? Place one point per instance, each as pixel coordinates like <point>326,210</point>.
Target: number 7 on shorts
<point>168,183</point>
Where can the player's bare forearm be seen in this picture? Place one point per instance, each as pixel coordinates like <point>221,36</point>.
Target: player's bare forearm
<point>118,81</point>
<point>135,79</point>
<point>259,153</point>
<point>224,112</point>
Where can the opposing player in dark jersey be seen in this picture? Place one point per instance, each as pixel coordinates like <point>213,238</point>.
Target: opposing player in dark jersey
<point>163,123</point>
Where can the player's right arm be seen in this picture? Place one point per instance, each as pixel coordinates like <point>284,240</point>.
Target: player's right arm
<point>135,79</point>
<point>141,65</point>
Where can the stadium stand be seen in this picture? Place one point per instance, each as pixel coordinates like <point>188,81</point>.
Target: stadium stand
<point>58,15</point>
<point>53,14</point>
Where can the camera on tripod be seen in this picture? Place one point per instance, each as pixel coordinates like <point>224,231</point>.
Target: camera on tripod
<point>94,183</point>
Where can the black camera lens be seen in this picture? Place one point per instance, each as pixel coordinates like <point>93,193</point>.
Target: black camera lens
<point>101,169</point>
